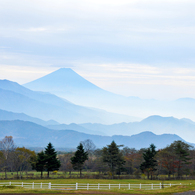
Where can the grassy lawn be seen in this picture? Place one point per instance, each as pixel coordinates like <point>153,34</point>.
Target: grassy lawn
<point>185,186</point>
<point>36,175</point>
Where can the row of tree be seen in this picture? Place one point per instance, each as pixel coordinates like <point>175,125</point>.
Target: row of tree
<point>175,159</point>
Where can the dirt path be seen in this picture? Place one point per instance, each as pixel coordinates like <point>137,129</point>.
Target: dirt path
<point>185,193</point>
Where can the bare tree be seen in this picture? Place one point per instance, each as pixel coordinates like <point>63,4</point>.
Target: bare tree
<point>7,147</point>
<point>66,165</point>
<point>88,146</point>
<point>22,159</point>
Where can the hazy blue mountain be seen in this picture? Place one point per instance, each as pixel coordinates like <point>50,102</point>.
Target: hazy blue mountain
<point>188,120</point>
<point>68,84</point>
<point>29,134</point>
<point>75,127</point>
<point>156,124</point>
<point>64,81</point>
<point>16,98</point>
<point>6,115</point>
<point>39,96</point>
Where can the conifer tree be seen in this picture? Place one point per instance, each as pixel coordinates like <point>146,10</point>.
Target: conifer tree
<point>79,158</point>
<point>40,163</point>
<point>149,163</point>
<point>113,157</point>
<point>51,161</point>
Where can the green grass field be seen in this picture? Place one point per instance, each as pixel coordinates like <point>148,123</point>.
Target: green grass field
<point>185,186</point>
<point>74,174</point>
<point>36,175</point>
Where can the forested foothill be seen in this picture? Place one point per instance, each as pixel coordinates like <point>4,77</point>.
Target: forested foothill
<point>176,161</point>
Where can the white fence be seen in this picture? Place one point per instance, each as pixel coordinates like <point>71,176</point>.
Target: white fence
<point>81,186</point>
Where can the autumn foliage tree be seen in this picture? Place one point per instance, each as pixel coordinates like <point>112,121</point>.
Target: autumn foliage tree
<point>181,150</point>
<point>167,160</point>
<point>133,159</point>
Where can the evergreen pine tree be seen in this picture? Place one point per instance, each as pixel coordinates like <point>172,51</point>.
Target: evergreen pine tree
<point>113,157</point>
<point>149,163</point>
<point>79,158</point>
<point>40,163</point>
<point>51,161</point>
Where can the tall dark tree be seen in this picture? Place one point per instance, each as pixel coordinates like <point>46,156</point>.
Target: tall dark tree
<point>51,161</point>
<point>79,158</point>
<point>113,157</point>
<point>150,162</point>
<point>40,163</point>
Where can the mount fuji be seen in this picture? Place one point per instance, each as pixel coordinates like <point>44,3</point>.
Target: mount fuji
<point>67,84</point>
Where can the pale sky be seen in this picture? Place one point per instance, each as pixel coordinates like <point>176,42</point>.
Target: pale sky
<point>130,47</point>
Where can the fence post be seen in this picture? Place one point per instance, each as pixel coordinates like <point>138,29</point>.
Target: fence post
<point>170,184</point>
<point>160,186</point>
<point>87,186</point>
<point>119,186</point>
<point>98,186</point>
<point>22,185</point>
<point>76,186</point>
<point>41,185</point>
<point>109,186</point>
<point>152,186</point>
<point>33,185</point>
<point>129,186</point>
<point>140,187</point>
<point>10,183</point>
<point>49,186</point>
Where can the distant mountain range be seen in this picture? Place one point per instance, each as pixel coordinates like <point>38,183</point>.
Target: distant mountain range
<point>184,128</point>
<point>68,84</point>
<point>29,134</point>
<point>76,127</point>
<point>45,106</point>
<point>6,115</point>
<point>36,117</point>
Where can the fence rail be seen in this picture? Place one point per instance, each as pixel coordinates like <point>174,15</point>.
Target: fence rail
<point>87,186</point>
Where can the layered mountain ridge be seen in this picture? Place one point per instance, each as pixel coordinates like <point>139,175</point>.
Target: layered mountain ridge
<point>63,121</point>
<point>29,134</point>
<point>16,98</point>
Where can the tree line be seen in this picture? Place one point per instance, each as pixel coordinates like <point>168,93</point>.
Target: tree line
<point>177,159</point>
